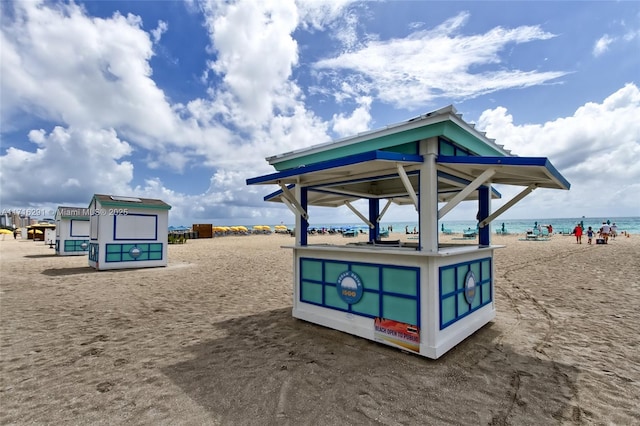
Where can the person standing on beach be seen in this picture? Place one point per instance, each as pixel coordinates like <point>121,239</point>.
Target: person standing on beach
<point>605,231</point>
<point>590,235</point>
<point>614,230</point>
<point>578,233</point>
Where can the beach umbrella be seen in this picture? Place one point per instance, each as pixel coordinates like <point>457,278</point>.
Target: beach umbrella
<point>5,231</point>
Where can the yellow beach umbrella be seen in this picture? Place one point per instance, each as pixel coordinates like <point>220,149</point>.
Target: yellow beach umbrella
<point>5,231</point>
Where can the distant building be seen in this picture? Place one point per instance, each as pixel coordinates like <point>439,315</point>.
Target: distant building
<point>12,219</point>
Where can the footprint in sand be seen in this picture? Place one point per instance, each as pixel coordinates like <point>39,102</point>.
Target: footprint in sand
<point>105,387</point>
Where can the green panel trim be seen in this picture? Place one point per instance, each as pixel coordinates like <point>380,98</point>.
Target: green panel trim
<point>400,309</point>
<point>368,305</point>
<point>94,252</point>
<point>332,299</point>
<point>401,281</point>
<point>397,299</point>
<point>333,270</point>
<point>133,206</point>
<point>311,270</point>
<point>114,257</point>
<point>370,276</point>
<point>448,309</point>
<point>407,148</point>
<point>448,281</point>
<point>120,252</point>
<point>475,268</point>
<point>486,270</point>
<point>474,144</point>
<point>379,143</point>
<point>446,149</point>
<point>486,293</point>
<point>312,292</point>
<point>114,248</point>
<point>463,306</point>
<point>71,246</point>
<point>453,303</point>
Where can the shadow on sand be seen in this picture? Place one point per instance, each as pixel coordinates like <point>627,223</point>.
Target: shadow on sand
<point>38,256</point>
<point>273,369</point>
<point>58,272</point>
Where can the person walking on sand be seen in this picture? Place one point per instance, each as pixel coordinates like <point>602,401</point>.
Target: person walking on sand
<point>590,234</point>
<point>578,233</point>
<point>605,231</point>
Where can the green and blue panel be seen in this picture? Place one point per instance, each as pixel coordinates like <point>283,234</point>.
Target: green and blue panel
<point>387,291</point>
<point>75,245</point>
<point>454,297</point>
<point>133,252</point>
<point>94,252</point>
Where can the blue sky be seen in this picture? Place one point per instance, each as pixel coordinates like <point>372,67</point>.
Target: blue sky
<point>182,101</point>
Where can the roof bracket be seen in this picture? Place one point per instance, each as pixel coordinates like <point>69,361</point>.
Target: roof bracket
<point>290,200</point>
<point>507,205</point>
<point>384,210</point>
<point>477,182</point>
<point>360,215</point>
<point>407,185</point>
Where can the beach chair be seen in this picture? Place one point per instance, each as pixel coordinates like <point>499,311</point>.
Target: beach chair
<point>349,233</point>
<point>445,231</point>
<point>469,233</point>
<point>536,236</point>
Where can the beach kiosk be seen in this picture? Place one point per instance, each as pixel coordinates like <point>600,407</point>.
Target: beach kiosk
<point>72,231</point>
<point>127,232</point>
<point>422,296</point>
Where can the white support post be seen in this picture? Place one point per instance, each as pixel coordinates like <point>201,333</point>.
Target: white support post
<point>428,214</point>
<point>484,176</point>
<point>288,195</point>
<point>360,215</point>
<point>407,185</point>
<point>384,210</point>
<point>507,205</point>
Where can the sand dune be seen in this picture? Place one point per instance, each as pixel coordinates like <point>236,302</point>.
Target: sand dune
<point>210,340</point>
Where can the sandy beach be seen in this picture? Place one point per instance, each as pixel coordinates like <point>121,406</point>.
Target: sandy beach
<point>210,340</point>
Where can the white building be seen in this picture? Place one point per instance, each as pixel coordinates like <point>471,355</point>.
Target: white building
<point>127,232</point>
<point>72,231</point>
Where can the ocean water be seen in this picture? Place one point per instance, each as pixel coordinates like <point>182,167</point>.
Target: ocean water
<point>513,226</point>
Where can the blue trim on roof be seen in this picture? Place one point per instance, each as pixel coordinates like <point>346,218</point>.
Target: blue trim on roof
<point>508,161</point>
<point>278,192</point>
<point>368,179</point>
<point>339,162</point>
